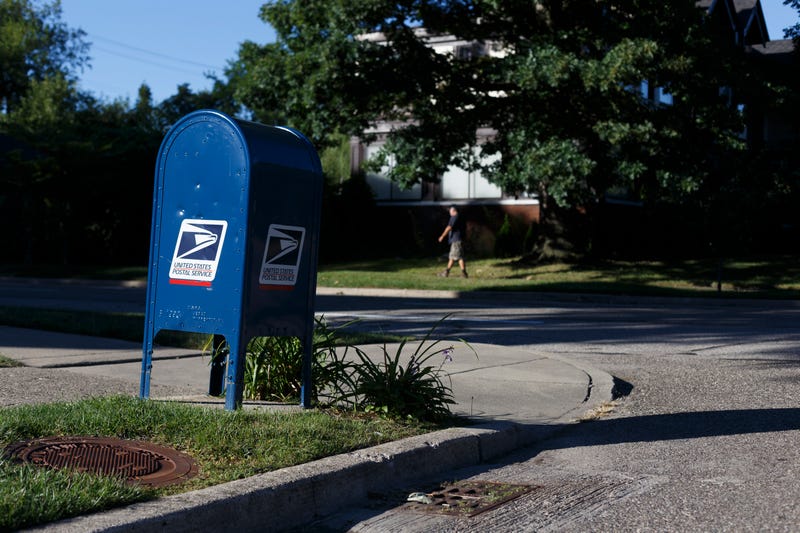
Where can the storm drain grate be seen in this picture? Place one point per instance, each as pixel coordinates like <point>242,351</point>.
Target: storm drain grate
<point>138,462</point>
<point>465,498</point>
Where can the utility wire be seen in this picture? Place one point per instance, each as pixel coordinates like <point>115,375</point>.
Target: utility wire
<point>149,52</point>
<point>146,61</point>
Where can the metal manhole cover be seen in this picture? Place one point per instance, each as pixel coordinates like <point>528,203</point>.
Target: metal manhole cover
<point>138,462</point>
<point>465,498</point>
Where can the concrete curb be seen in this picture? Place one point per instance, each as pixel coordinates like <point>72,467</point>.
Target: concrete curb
<point>726,300</point>
<point>298,495</point>
<point>711,299</point>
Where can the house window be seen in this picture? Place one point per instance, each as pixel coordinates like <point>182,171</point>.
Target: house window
<point>469,51</point>
<point>458,183</point>
<point>662,96</point>
<point>382,186</point>
<point>644,89</point>
<point>455,183</point>
<point>656,94</point>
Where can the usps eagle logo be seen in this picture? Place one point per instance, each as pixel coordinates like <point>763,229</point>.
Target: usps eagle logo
<point>197,252</point>
<point>282,254</point>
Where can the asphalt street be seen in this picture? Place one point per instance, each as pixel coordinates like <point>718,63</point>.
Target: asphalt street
<point>708,439</point>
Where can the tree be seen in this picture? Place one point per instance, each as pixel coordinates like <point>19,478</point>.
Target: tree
<point>42,118</point>
<point>39,57</point>
<point>758,205</point>
<point>35,45</point>
<point>65,156</point>
<point>184,101</point>
<point>563,96</point>
<point>793,32</point>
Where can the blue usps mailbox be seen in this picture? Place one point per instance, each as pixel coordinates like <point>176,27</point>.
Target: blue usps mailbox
<point>234,240</point>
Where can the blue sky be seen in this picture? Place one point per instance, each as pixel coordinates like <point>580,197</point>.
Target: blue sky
<point>165,43</point>
<point>778,17</point>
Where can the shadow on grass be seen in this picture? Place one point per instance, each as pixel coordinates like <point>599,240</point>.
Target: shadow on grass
<point>379,265</point>
<point>756,278</point>
<point>634,289</point>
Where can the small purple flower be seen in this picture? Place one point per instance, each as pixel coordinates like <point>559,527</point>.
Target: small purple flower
<point>448,354</point>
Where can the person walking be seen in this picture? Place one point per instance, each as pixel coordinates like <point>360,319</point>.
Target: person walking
<point>454,233</point>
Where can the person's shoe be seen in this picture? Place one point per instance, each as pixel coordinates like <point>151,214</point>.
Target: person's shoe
<point>464,274</point>
<point>444,273</point>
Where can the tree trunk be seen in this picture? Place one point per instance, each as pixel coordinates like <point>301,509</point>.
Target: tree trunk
<point>561,235</point>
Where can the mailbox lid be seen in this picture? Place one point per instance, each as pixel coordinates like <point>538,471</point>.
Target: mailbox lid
<point>280,145</point>
<point>199,225</point>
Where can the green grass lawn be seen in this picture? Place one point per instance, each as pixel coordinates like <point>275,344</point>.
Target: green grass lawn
<point>776,277</point>
<point>225,445</point>
<point>767,277</point>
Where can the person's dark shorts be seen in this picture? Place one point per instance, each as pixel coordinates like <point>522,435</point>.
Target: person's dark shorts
<point>456,251</point>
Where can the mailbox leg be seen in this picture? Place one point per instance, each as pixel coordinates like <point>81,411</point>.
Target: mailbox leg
<point>147,366</point>
<point>216,384</point>
<point>306,388</point>
<point>234,385</point>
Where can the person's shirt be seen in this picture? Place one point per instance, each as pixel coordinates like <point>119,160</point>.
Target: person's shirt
<point>455,229</point>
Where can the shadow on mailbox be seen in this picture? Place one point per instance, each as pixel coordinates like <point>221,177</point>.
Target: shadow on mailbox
<point>234,240</point>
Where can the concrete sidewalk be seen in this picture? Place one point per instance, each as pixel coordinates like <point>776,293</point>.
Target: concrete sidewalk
<point>516,397</point>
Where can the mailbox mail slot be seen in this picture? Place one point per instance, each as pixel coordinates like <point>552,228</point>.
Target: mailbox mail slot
<point>234,239</point>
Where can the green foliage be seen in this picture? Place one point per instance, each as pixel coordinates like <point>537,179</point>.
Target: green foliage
<point>349,209</point>
<point>335,161</point>
<point>31,495</point>
<point>5,362</point>
<point>792,32</point>
<point>529,240</point>
<point>272,369</point>
<point>273,366</point>
<point>505,244</point>
<point>35,46</point>
<point>513,238</point>
<point>414,389</point>
<point>45,108</point>
<point>561,86</point>
<point>63,153</point>
<point>563,97</point>
<point>395,386</point>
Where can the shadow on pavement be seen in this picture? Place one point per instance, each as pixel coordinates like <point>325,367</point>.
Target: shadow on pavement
<point>672,426</point>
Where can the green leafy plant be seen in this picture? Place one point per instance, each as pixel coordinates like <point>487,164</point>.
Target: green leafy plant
<point>7,362</point>
<point>345,376</point>
<point>274,365</point>
<point>505,240</point>
<point>332,370</point>
<point>396,387</point>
